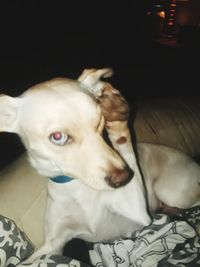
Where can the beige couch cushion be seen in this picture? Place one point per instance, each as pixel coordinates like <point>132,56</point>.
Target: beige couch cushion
<point>22,198</point>
<point>172,121</point>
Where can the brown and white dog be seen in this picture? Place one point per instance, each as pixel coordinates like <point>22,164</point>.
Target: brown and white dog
<point>61,124</point>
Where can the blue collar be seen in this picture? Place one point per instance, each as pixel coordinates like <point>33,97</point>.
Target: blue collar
<point>61,179</point>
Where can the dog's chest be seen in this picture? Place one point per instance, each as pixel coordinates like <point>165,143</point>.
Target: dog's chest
<point>83,212</point>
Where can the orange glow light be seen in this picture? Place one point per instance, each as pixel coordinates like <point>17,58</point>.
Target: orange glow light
<point>170,23</point>
<point>161,14</point>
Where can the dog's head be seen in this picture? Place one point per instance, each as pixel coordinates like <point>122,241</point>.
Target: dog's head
<point>61,125</point>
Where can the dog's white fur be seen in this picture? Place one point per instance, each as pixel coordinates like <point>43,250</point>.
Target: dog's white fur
<point>88,207</point>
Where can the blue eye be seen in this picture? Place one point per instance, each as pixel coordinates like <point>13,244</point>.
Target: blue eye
<point>59,138</point>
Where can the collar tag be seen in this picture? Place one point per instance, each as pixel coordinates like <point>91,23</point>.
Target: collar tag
<point>61,179</point>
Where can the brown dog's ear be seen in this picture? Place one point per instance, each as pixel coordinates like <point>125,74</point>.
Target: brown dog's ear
<point>91,79</point>
<point>8,113</point>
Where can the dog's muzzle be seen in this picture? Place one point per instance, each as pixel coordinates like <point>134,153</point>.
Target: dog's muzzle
<point>119,177</point>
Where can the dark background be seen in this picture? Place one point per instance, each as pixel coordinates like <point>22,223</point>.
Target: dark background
<point>41,39</point>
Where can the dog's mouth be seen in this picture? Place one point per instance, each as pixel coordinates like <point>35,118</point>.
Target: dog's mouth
<point>119,177</point>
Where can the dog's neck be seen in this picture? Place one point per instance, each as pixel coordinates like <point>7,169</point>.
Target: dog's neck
<point>61,179</point>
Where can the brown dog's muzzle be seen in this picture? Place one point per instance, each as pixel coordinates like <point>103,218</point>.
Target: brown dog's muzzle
<point>119,177</point>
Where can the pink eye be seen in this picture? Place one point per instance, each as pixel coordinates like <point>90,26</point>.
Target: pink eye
<point>57,135</point>
<point>59,138</point>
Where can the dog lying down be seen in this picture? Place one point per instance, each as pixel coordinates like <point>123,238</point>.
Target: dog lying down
<point>61,124</point>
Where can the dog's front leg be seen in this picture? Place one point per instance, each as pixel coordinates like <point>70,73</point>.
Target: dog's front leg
<point>116,112</point>
<point>56,236</point>
<point>59,224</point>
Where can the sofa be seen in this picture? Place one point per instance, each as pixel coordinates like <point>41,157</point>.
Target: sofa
<point>171,121</point>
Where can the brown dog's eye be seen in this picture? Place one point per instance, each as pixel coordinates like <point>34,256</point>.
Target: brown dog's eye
<point>59,138</point>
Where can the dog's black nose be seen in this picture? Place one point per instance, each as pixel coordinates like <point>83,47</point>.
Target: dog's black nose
<point>119,177</point>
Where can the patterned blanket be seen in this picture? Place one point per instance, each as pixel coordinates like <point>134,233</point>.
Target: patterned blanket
<point>166,242</point>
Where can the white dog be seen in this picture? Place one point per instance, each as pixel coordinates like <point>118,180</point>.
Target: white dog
<point>61,122</point>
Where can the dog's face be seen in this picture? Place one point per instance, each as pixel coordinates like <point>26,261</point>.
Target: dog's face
<point>61,126</point>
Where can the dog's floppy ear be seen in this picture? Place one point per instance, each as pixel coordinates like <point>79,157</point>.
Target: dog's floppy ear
<point>8,113</point>
<point>91,79</point>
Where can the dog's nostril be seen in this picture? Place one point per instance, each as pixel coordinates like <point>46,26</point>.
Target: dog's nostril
<point>119,177</point>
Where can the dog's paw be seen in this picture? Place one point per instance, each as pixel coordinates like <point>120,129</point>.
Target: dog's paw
<point>91,79</point>
<point>113,105</point>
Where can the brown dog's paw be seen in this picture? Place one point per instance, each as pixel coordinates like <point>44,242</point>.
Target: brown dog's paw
<point>113,105</point>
